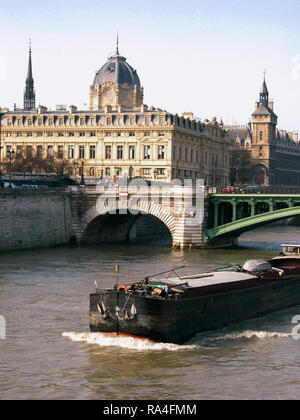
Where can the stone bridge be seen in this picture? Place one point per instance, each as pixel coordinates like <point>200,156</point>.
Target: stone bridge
<point>112,215</point>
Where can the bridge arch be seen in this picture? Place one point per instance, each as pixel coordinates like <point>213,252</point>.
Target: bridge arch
<point>236,228</point>
<point>128,212</point>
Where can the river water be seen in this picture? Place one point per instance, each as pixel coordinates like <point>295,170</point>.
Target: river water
<point>50,354</point>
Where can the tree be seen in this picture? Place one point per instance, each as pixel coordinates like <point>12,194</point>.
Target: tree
<point>27,160</point>
<point>241,165</point>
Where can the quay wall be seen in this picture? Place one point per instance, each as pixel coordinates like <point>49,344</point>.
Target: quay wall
<point>34,219</point>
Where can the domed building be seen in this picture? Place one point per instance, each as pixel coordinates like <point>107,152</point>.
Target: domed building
<point>119,135</point>
<point>116,85</point>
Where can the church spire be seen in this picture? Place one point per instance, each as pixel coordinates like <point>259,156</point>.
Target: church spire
<point>264,93</point>
<point>29,93</point>
<point>117,50</point>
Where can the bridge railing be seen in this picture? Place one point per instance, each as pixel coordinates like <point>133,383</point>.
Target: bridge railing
<point>263,190</point>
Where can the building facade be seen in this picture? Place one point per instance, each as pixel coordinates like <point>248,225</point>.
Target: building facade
<point>119,134</point>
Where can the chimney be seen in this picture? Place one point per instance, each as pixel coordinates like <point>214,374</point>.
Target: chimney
<point>72,109</point>
<point>42,109</point>
<point>188,115</point>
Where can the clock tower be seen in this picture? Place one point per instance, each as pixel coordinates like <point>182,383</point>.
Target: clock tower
<point>264,139</point>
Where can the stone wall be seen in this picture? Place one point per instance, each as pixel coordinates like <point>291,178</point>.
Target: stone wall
<point>34,219</point>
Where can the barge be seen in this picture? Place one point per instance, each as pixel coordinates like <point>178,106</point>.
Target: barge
<point>175,308</point>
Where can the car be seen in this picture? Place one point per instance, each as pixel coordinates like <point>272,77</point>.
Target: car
<point>30,186</point>
<point>252,189</point>
<point>10,185</point>
<point>228,190</point>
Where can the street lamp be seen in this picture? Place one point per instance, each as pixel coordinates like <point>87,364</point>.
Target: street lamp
<point>76,165</point>
<point>82,173</point>
<point>10,155</point>
<point>130,172</point>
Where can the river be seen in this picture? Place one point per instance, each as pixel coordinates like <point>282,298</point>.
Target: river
<point>49,353</point>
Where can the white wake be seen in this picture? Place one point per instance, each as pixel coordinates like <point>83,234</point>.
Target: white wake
<point>249,334</point>
<point>110,340</point>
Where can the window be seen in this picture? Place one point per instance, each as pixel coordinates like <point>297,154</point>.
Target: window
<point>180,153</point>
<point>71,134</point>
<point>192,155</point>
<point>107,152</point>
<point>81,121</point>
<point>8,149</point>
<point>50,121</point>
<point>260,151</point>
<point>60,134</point>
<point>39,121</point>
<point>92,171</point>
<point>81,152</point>
<point>146,171</point>
<point>147,152</point>
<point>71,152</point>
<point>161,133</point>
<point>107,171</point>
<point>108,121</point>
<point>186,155</point>
<point>92,152</point>
<point>261,135</point>
<point>29,134</point>
<point>161,152</point>
<point>174,152</point>
<point>19,149</point>
<point>50,150</point>
<point>206,157</point>
<point>50,134</point>
<point>131,134</point>
<point>92,134</point>
<point>120,152</point>
<point>131,152</point>
<point>19,134</point>
<point>197,157</point>
<point>108,134</point>
<point>39,134</point>
<point>147,134</point>
<point>60,152</point>
<point>160,171</point>
<point>81,134</point>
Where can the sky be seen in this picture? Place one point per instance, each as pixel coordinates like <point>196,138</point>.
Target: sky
<point>205,57</point>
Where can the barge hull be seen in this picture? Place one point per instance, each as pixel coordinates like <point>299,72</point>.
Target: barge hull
<point>177,321</point>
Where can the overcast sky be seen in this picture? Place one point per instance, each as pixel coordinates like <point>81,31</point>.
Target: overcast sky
<point>207,57</point>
